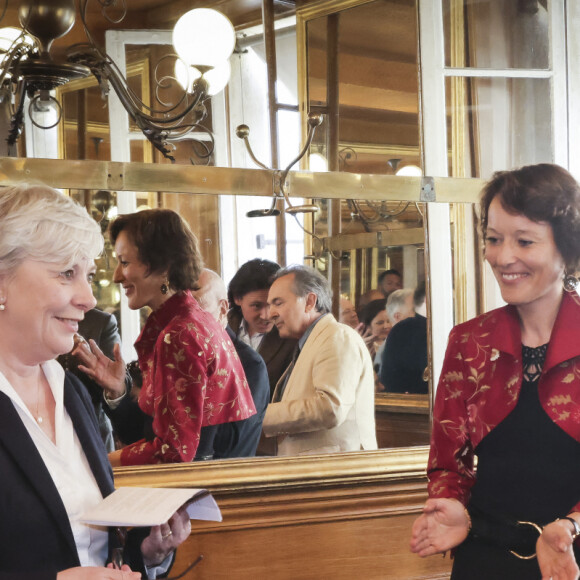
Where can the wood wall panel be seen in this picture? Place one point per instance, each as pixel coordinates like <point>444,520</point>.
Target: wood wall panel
<point>294,529</point>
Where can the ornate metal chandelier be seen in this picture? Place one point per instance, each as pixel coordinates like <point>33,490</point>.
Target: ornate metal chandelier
<point>204,39</point>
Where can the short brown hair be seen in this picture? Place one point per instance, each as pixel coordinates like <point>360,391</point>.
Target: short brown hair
<point>164,243</point>
<point>542,193</point>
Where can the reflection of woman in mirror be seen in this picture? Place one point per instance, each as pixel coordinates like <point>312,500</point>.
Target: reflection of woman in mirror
<point>376,324</point>
<point>509,394</point>
<point>192,377</point>
<point>53,464</point>
<point>375,327</point>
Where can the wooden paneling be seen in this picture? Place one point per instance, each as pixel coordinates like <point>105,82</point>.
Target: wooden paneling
<point>402,420</point>
<point>290,521</point>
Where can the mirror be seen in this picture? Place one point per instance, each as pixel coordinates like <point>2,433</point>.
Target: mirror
<point>361,72</point>
<point>377,127</point>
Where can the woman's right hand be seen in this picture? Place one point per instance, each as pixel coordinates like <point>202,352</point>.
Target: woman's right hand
<point>109,374</point>
<point>443,525</point>
<point>98,573</point>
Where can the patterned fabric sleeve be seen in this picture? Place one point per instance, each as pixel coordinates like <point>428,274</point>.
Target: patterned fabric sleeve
<point>450,468</point>
<point>178,384</point>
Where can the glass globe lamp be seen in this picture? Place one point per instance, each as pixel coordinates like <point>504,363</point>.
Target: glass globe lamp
<point>204,38</point>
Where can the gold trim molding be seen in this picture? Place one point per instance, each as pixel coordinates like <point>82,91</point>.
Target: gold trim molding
<point>269,473</point>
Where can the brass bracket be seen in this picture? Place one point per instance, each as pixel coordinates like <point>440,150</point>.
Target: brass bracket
<point>427,189</point>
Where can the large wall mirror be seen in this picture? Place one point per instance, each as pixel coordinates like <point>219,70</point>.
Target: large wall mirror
<point>374,128</point>
<point>357,64</point>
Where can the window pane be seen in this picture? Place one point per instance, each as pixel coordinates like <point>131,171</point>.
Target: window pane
<point>498,123</point>
<point>496,34</point>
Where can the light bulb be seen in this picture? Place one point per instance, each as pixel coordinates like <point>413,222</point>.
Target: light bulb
<point>217,78</point>
<point>9,34</point>
<point>204,37</point>
<point>409,171</point>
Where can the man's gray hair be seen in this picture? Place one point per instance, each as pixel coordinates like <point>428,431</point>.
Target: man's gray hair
<point>308,280</point>
<point>397,301</point>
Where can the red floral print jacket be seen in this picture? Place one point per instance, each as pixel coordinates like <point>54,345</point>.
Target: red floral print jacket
<point>480,384</point>
<point>192,377</point>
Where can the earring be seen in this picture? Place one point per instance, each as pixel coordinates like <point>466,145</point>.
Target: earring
<point>165,287</point>
<point>570,282</point>
<point>2,306</point>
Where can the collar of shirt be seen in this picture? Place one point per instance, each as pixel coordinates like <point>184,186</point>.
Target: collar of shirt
<point>308,332</point>
<point>254,341</point>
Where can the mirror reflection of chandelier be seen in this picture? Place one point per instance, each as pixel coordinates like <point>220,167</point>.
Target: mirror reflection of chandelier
<point>204,39</point>
<point>372,213</point>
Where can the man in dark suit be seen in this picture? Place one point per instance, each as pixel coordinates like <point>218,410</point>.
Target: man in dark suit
<point>102,328</point>
<point>404,358</point>
<point>249,319</point>
<point>240,438</point>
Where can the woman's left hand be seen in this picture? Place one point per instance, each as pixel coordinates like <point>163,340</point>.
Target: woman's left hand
<point>164,539</point>
<point>555,554</point>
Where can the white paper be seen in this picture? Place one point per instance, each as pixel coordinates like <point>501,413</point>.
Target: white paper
<point>149,506</point>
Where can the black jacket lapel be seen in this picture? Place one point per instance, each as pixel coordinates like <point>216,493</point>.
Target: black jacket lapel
<point>18,443</point>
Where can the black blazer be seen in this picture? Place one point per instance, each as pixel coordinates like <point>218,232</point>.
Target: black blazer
<point>102,328</point>
<point>405,357</point>
<point>276,351</point>
<point>240,438</point>
<point>35,535</point>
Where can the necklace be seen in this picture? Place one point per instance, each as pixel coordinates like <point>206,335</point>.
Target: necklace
<point>38,416</point>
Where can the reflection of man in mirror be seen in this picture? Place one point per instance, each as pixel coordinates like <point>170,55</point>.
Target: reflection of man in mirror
<point>404,359</point>
<point>249,319</point>
<point>389,281</point>
<point>347,313</point>
<point>324,403</point>
<point>238,438</point>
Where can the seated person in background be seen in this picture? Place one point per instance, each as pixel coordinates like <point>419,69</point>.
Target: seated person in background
<point>347,314</point>
<point>102,328</point>
<point>192,377</point>
<point>325,402</point>
<point>248,317</point>
<point>389,281</point>
<point>238,438</point>
<point>53,464</point>
<point>404,358</point>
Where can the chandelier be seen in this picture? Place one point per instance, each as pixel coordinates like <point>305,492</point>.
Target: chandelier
<point>203,39</point>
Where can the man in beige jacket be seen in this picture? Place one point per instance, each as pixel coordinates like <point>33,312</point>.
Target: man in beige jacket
<point>324,403</point>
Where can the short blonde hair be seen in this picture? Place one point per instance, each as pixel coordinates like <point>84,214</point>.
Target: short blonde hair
<point>40,223</point>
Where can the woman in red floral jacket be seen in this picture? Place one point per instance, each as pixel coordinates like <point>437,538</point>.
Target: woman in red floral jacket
<point>509,393</point>
<point>192,377</point>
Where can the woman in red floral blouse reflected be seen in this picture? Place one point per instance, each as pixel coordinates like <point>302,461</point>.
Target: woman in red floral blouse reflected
<point>192,377</point>
<point>509,393</point>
